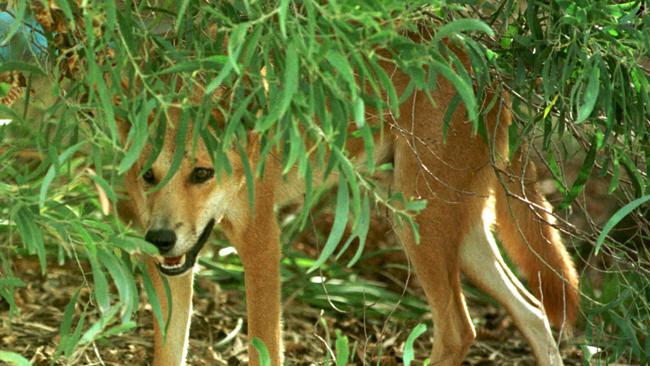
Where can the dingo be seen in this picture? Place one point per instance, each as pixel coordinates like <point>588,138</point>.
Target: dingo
<point>469,186</point>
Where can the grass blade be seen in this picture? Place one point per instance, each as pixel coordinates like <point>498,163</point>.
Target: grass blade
<point>617,217</point>
<point>342,349</point>
<point>14,359</point>
<point>409,354</point>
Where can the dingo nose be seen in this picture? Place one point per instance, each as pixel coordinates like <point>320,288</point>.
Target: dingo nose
<point>163,239</point>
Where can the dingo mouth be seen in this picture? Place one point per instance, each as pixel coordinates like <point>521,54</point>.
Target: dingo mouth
<point>174,266</point>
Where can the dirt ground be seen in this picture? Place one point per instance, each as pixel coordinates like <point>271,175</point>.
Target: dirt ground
<point>308,332</point>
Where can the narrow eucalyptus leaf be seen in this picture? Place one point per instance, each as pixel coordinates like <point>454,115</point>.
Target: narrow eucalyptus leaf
<point>338,227</point>
<point>460,26</point>
<point>465,91</point>
<point>590,95</point>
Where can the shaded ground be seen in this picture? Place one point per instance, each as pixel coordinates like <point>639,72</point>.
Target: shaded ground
<point>309,332</point>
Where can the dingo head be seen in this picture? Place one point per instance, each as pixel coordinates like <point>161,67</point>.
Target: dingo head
<point>179,216</point>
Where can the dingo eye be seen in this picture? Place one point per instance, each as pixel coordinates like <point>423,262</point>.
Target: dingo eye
<point>149,177</point>
<point>200,175</point>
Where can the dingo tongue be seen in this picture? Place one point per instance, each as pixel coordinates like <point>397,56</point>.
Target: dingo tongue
<point>172,261</point>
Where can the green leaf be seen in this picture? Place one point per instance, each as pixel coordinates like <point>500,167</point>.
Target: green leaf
<point>290,78</point>
<point>73,339</point>
<point>20,66</point>
<point>51,173</point>
<point>296,147</point>
<point>100,285</point>
<point>68,340</point>
<point>234,122</point>
<point>262,352</point>
<point>97,79</point>
<point>342,66</point>
<point>340,222</point>
<point>409,354</point>
<point>7,288</point>
<point>415,205</point>
<point>585,171</point>
<point>446,121</point>
<point>236,43</point>
<point>111,16</point>
<point>180,15</point>
<point>590,95</point>
<point>550,106</point>
<point>179,152</point>
<point>415,228</point>
<point>359,112</point>
<point>248,173</point>
<point>289,89</point>
<point>124,282</point>
<point>342,349</point>
<point>616,218</point>
<point>4,89</point>
<point>137,137</point>
<point>125,23</point>
<point>14,359</point>
<point>282,16</point>
<point>119,329</point>
<point>98,326</point>
<point>460,26</point>
<point>387,84</point>
<point>154,301</point>
<point>628,332</point>
<point>616,173</point>
<point>465,91</point>
<point>31,234</point>
<point>68,313</point>
<point>216,82</point>
<point>360,232</point>
<point>634,174</point>
<point>189,66</point>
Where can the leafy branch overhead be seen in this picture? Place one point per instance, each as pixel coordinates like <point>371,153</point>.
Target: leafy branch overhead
<point>302,79</point>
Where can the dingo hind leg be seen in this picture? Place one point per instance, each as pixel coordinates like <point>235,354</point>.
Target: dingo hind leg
<point>436,263</point>
<point>483,265</point>
<point>439,276</point>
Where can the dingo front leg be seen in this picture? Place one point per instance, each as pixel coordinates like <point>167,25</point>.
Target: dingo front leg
<point>172,350</point>
<point>262,279</point>
<point>260,254</point>
<point>257,239</point>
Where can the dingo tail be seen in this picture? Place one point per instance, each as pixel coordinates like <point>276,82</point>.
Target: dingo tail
<point>526,231</point>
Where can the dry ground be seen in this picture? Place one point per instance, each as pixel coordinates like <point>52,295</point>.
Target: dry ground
<point>309,332</point>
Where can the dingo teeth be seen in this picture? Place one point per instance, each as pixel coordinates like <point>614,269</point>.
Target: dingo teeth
<point>173,262</point>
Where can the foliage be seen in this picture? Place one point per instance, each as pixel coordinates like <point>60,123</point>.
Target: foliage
<point>575,70</point>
